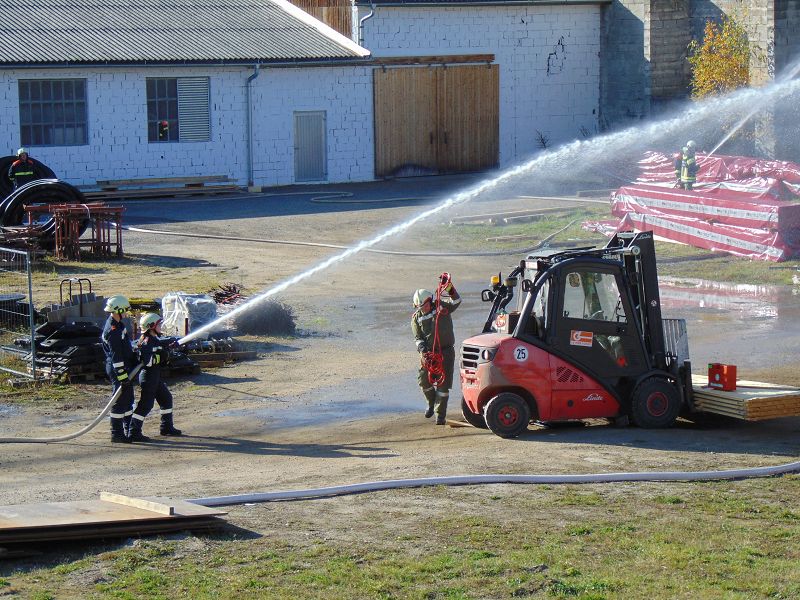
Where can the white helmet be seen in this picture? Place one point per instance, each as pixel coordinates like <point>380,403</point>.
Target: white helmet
<point>148,320</point>
<point>691,145</point>
<point>420,296</point>
<point>117,304</point>
<point>22,151</point>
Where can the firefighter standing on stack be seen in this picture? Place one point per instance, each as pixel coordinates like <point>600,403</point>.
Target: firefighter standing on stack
<point>153,352</point>
<point>689,166</point>
<point>21,170</point>
<point>120,359</point>
<point>433,331</point>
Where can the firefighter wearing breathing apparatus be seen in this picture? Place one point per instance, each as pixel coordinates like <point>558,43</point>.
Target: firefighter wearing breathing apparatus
<point>120,359</point>
<point>153,352</point>
<point>432,326</point>
<point>689,166</point>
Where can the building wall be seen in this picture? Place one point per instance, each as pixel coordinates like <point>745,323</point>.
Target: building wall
<point>548,58</point>
<point>117,121</point>
<point>625,63</point>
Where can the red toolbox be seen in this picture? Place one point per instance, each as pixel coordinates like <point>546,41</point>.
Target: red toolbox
<point>722,377</point>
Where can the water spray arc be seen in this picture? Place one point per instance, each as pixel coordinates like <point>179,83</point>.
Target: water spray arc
<point>566,157</point>
<point>789,75</point>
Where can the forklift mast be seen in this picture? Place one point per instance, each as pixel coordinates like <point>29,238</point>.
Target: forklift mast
<point>639,265</point>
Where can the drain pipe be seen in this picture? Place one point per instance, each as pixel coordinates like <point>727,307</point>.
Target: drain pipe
<point>361,23</point>
<point>249,88</point>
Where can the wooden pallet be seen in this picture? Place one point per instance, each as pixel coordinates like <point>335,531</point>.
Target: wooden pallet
<point>751,401</point>
<point>111,515</point>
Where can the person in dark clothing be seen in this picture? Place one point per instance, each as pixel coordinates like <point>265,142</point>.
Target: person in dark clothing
<point>21,170</point>
<point>424,325</point>
<point>677,163</point>
<point>120,359</point>
<point>153,351</point>
<point>689,166</point>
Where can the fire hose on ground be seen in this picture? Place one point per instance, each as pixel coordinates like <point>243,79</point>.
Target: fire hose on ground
<point>79,433</point>
<point>394,484</point>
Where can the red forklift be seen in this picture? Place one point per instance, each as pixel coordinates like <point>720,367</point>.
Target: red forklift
<point>585,340</point>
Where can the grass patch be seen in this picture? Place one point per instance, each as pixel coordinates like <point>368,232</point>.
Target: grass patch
<point>712,540</point>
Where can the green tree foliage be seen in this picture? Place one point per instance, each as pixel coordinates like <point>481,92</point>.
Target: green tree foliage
<point>721,63</point>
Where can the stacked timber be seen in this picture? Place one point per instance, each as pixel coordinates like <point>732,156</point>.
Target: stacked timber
<point>751,400</point>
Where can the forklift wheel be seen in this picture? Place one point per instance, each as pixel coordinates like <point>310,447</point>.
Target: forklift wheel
<point>471,418</point>
<point>655,404</point>
<point>507,415</point>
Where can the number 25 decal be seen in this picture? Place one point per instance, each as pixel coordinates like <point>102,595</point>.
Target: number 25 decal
<point>521,353</point>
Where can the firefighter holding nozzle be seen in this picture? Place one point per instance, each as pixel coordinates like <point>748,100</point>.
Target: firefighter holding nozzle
<point>153,352</point>
<point>432,326</point>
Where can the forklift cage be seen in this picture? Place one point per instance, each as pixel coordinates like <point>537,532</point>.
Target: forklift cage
<point>17,313</point>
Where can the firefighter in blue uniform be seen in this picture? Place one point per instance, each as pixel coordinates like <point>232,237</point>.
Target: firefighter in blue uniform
<point>153,351</point>
<point>120,359</point>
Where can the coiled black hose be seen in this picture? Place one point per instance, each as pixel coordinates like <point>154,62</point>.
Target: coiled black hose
<point>42,191</point>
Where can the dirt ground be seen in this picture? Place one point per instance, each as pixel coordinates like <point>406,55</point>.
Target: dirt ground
<point>338,403</point>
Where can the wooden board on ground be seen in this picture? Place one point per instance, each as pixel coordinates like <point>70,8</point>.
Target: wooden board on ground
<point>751,401</point>
<point>98,518</point>
<point>452,423</point>
<point>212,357</point>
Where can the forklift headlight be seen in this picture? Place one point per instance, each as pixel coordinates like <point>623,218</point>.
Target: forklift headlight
<point>487,354</point>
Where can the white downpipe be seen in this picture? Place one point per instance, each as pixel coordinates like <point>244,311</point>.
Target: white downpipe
<point>89,427</point>
<point>394,484</point>
<point>249,115</point>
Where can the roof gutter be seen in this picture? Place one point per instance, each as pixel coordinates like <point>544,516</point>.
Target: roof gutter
<point>249,115</point>
<point>288,63</point>
<point>362,20</point>
<point>412,4</point>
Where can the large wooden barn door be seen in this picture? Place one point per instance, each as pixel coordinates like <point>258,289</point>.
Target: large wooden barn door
<point>405,120</point>
<point>436,119</point>
<point>469,119</point>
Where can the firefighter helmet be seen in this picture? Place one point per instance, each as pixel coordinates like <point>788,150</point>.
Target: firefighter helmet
<point>149,320</point>
<point>22,151</point>
<point>421,296</point>
<point>685,149</point>
<point>691,145</point>
<point>117,304</point>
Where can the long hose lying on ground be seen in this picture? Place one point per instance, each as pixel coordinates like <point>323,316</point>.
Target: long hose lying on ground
<point>86,429</point>
<point>394,484</point>
<point>375,486</point>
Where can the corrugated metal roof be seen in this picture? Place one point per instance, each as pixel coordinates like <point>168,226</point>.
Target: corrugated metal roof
<point>164,31</point>
<point>477,2</point>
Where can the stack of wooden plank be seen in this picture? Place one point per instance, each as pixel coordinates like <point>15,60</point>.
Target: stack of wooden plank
<point>111,515</point>
<point>158,187</point>
<point>751,400</point>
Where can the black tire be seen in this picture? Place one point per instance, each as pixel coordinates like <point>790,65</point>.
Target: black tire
<point>655,404</point>
<point>507,415</point>
<point>471,418</point>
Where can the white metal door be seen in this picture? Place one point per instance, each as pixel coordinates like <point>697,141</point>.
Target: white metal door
<point>310,158</point>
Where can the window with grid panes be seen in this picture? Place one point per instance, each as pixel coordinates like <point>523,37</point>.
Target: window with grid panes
<point>178,109</point>
<point>52,112</point>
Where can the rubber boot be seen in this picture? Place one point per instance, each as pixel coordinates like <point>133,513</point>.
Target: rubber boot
<point>118,432</point>
<point>441,407</point>
<point>136,434</point>
<point>167,428</point>
<point>430,396</point>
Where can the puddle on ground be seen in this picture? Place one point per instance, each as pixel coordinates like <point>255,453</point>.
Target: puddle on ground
<point>356,399</point>
<point>8,410</point>
<point>751,326</point>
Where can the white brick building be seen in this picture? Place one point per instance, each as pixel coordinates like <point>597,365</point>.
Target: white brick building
<point>547,53</point>
<point>91,109</point>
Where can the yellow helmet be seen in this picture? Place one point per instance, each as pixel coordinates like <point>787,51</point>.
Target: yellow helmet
<point>420,296</point>
<point>148,320</point>
<point>117,304</point>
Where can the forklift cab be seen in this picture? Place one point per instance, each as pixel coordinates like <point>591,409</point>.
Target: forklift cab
<point>584,339</point>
